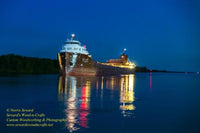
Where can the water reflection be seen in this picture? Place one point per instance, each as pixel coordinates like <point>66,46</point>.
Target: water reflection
<point>76,94</point>
<point>125,84</point>
<point>75,91</point>
<point>150,81</point>
<point>127,94</point>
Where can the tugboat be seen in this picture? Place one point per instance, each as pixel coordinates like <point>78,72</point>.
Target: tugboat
<point>75,60</point>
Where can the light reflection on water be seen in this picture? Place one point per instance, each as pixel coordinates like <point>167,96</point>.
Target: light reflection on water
<point>127,94</point>
<point>75,92</point>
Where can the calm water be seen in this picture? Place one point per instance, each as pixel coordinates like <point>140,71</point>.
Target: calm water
<point>139,103</point>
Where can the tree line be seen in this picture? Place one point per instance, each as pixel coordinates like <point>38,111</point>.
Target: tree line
<point>16,64</point>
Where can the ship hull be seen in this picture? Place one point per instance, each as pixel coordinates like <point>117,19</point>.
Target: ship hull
<point>76,64</point>
<point>80,64</point>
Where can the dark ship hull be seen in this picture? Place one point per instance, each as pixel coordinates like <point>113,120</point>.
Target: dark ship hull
<point>76,64</point>
<point>81,64</point>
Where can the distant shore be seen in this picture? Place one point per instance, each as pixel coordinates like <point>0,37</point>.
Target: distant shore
<point>12,64</point>
<point>16,64</point>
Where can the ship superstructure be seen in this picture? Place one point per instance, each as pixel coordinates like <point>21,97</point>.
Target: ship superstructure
<point>74,46</point>
<point>123,62</point>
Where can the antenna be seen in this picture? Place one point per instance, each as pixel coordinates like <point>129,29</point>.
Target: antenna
<point>124,50</point>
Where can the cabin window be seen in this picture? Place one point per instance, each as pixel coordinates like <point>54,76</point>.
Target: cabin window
<point>75,48</point>
<point>69,48</point>
<point>72,43</point>
<point>79,49</point>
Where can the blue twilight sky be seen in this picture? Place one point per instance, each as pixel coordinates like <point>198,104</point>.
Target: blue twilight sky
<point>159,34</point>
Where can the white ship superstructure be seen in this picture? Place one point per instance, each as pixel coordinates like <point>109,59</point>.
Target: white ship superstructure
<point>74,46</point>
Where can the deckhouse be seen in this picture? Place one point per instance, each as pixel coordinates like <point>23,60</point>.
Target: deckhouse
<point>74,46</point>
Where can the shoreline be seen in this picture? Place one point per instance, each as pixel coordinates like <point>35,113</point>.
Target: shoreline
<point>12,64</point>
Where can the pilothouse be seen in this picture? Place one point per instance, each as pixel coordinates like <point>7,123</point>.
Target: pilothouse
<point>74,46</point>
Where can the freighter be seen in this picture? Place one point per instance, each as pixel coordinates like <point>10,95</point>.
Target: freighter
<point>74,60</point>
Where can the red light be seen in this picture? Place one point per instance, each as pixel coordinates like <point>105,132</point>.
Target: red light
<point>150,70</point>
<point>83,109</point>
<point>84,46</point>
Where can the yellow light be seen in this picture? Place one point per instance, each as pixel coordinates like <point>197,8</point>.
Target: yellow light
<point>128,65</point>
<point>127,107</point>
<point>131,67</point>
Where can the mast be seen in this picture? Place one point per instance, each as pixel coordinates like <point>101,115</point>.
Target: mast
<point>124,50</point>
<point>73,36</point>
